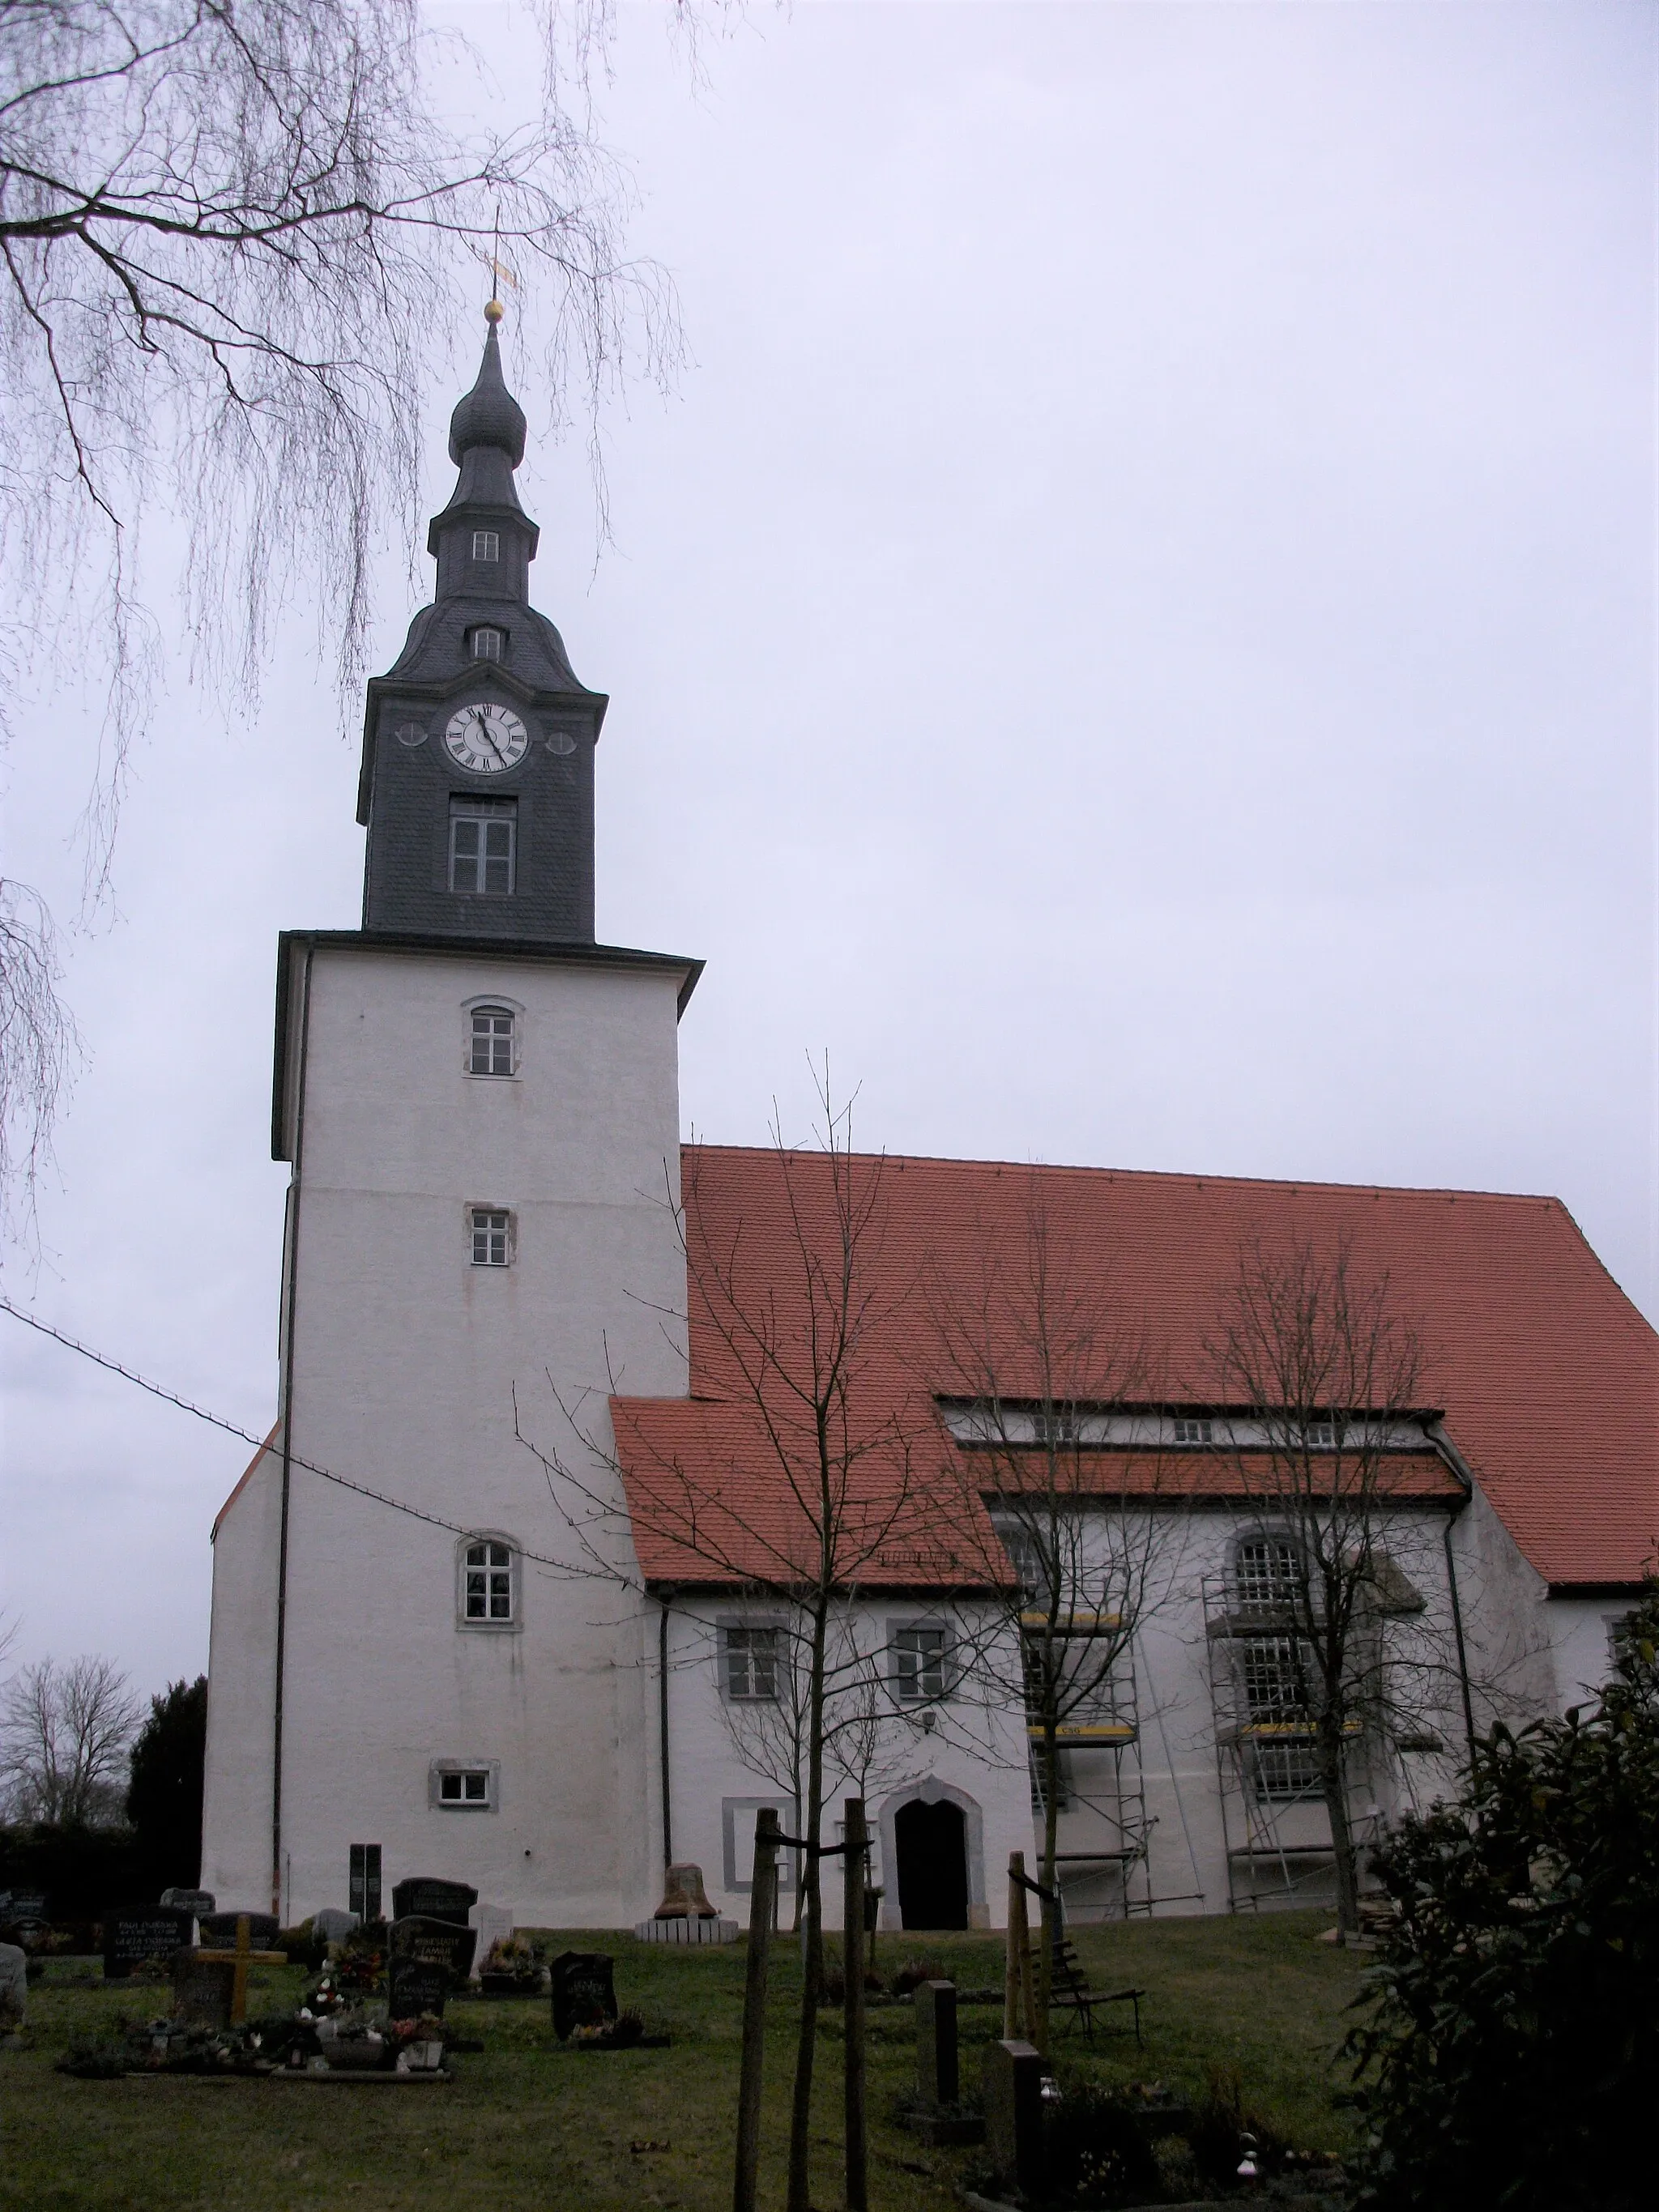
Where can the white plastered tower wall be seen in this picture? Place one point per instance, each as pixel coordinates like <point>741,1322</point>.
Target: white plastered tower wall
<point>406,1363</point>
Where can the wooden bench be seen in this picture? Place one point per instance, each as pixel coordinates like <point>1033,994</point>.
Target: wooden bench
<point>1069,1986</point>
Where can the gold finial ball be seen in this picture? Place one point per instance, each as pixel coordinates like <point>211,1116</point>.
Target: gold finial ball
<point>494,311</point>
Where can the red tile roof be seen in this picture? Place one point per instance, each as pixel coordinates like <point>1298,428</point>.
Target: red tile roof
<point>1548,1375</point>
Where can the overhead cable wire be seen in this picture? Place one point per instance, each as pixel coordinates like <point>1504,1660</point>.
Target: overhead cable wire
<point>260,1443</point>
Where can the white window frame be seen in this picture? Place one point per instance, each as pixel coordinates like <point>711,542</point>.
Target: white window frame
<point>484,1773</point>
<point>488,1623</point>
<point>487,814</point>
<point>731,1650</point>
<point>908,1678</point>
<point>487,641</point>
<point>1193,1429</point>
<point>1275,1584</point>
<point>486,544</point>
<point>495,1008</point>
<point>501,1222</point>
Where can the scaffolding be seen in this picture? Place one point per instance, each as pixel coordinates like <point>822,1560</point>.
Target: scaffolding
<point>1275,1827</point>
<point>1101,1778</point>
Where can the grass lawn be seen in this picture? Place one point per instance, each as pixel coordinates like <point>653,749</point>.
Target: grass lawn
<point>530,2125</point>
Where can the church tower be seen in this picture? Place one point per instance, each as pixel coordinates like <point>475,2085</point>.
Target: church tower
<point>478,779</point>
<point>416,1668</point>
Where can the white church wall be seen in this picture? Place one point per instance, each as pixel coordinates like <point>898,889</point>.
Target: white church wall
<point>1197,1820</point>
<point>407,1360</point>
<point>725,1762</point>
<point>241,1692</point>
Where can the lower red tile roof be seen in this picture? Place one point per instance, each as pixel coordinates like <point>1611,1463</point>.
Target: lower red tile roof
<point>1548,1374</point>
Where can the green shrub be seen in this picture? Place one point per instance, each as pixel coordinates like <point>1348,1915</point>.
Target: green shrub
<point>1511,2052</point>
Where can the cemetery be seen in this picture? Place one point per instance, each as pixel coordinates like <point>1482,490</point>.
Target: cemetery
<point>167,2069</point>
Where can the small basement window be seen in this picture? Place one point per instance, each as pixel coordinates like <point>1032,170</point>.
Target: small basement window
<point>460,1788</point>
<point>486,545</point>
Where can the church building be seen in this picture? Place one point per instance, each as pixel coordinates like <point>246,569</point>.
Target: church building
<point>507,1596</point>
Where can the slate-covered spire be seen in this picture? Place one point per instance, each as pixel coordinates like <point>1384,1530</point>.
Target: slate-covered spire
<point>489,415</point>
<point>486,443</point>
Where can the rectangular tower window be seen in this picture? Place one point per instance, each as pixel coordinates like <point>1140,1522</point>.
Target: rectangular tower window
<point>363,1888</point>
<point>487,644</point>
<point>491,1236</point>
<point>486,545</point>
<point>482,842</point>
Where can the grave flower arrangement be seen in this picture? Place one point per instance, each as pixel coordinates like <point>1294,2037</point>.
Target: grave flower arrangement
<point>512,1968</point>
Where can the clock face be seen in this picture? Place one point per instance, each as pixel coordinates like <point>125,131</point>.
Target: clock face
<point>486,738</point>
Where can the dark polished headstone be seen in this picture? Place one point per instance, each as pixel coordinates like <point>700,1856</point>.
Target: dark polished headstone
<point>1013,2114</point>
<point>219,1930</point>
<point>431,1899</point>
<point>445,1943</point>
<point>937,2078</point>
<point>203,1990</point>
<point>415,1986</point>
<point>584,1992</point>
<point>199,1901</point>
<point>145,1931</point>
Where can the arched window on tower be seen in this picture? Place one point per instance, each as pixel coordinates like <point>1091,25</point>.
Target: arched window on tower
<point>487,1596</point>
<point>488,643</point>
<point>486,545</point>
<point>493,1041</point>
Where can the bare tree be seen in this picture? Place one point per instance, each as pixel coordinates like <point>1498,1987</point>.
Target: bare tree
<point>867,1731</point>
<point>229,236</point>
<point>815,1487</point>
<point>1322,1372</point>
<point>1050,1378</point>
<point>64,1735</point>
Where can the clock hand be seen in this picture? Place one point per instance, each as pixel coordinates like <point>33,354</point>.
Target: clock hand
<point>484,731</point>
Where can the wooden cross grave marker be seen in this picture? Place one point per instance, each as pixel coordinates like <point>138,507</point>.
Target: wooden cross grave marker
<point>241,1958</point>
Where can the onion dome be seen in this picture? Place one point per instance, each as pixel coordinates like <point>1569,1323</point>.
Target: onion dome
<point>489,415</point>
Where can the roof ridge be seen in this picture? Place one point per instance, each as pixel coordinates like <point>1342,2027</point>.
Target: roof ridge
<point>1198,1181</point>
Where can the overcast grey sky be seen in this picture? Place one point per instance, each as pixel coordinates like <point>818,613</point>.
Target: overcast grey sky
<point>1136,634</point>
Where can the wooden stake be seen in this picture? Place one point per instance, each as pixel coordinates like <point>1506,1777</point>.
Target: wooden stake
<point>762,1908</point>
<point>1018,1964</point>
<point>852,1961</point>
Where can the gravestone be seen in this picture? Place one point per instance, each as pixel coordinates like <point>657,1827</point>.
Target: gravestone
<point>427,1896</point>
<point>219,1930</point>
<point>146,1931</point>
<point>14,1988</point>
<point>1013,2115</point>
<point>24,1906</point>
<point>203,1990</point>
<point>333,1923</point>
<point>584,1993</point>
<point>938,2079</point>
<point>435,1943</point>
<point>199,1901</point>
<point>415,1986</point>
<point>494,1925</point>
